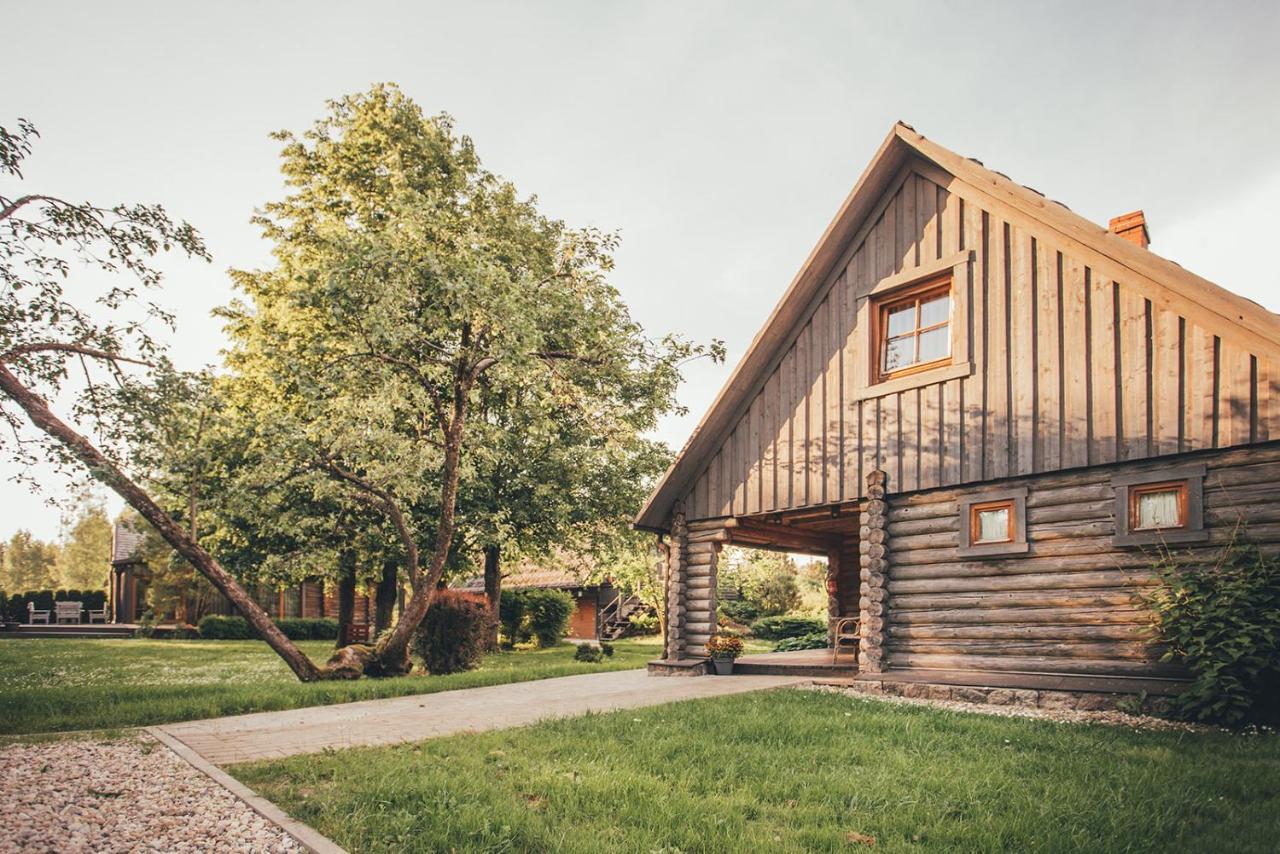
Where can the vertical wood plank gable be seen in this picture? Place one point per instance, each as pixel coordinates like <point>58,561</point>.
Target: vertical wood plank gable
<point>1048,450</point>
<point>1103,425</point>
<point>997,451</point>
<point>974,223</point>
<point>1075,354</point>
<point>1022,365</point>
<point>1133,374</point>
<point>1166,385</point>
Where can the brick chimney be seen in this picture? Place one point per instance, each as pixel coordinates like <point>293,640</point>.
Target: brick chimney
<point>1132,227</point>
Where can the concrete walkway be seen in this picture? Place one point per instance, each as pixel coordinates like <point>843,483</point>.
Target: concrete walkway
<point>271,735</point>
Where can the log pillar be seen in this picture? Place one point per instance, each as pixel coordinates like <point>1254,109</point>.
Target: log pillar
<point>873,540</point>
<point>677,546</point>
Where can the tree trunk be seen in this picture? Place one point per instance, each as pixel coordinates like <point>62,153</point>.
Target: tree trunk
<point>385,598</point>
<point>493,588</point>
<point>346,594</point>
<point>110,474</point>
<point>391,658</point>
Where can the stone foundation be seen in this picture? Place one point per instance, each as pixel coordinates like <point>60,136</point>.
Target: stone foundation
<point>1084,701</point>
<point>681,667</point>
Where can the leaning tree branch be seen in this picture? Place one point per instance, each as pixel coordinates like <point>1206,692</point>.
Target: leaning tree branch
<point>79,349</point>
<point>387,503</point>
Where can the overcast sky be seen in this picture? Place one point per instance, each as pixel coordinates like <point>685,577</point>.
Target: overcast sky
<point>718,138</point>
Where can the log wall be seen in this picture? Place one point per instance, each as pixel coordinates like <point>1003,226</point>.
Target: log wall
<point>1075,363</point>
<point>1068,604</point>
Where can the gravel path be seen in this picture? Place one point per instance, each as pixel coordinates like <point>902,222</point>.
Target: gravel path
<point>132,794</point>
<point>1065,716</point>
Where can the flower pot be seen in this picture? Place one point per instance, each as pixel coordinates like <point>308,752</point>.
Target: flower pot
<point>724,666</point>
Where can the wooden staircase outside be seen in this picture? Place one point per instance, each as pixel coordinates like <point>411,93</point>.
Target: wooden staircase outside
<point>615,617</point>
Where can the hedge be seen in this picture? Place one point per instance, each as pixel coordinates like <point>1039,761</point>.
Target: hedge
<point>15,606</point>
<point>524,615</point>
<point>218,627</point>
<point>777,628</point>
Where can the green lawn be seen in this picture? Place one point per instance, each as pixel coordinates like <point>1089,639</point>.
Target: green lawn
<point>51,685</point>
<point>792,771</point>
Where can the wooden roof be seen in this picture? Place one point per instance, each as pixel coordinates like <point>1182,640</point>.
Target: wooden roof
<point>1166,282</point>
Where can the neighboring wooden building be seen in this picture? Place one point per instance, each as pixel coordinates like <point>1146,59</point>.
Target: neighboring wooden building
<point>600,610</point>
<point>130,581</point>
<point>985,411</point>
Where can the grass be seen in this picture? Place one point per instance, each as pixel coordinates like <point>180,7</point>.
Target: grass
<point>792,771</point>
<point>61,684</point>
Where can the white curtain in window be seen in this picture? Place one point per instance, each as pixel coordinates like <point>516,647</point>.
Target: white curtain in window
<point>993,525</point>
<point>1158,509</point>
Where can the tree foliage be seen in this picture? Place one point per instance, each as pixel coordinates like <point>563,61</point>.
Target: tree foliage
<point>46,325</point>
<point>419,310</point>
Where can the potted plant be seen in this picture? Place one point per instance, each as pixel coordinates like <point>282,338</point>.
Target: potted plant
<point>723,649</point>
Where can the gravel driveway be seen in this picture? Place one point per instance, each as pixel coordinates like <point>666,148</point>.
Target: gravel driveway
<point>129,794</point>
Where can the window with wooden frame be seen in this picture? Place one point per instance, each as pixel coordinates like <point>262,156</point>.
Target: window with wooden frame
<point>993,522</point>
<point>913,329</point>
<point>1162,506</point>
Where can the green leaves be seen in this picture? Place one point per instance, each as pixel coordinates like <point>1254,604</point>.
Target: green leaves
<point>1222,619</point>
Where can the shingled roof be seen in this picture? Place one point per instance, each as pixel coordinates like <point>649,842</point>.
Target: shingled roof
<point>126,542</point>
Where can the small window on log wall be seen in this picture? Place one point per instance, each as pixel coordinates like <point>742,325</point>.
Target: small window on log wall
<point>1160,506</point>
<point>993,523</point>
<point>913,329</point>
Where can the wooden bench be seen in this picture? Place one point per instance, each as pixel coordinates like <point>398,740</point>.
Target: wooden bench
<point>98,615</point>
<point>67,612</point>
<point>36,616</point>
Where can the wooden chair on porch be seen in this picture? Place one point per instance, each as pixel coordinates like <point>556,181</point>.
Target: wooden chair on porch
<point>845,637</point>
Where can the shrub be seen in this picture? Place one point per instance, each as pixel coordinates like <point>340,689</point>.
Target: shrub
<point>454,634</point>
<point>185,631</point>
<point>740,610</point>
<point>778,592</point>
<point>548,614</point>
<point>43,600</point>
<point>94,600</point>
<point>607,649</point>
<point>588,652</point>
<point>725,646</point>
<point>511,614</point>
<point>643,624</point>
<point>777,628</point>
<point>309,628</point>
<point>814,640</point>
<point>1223,622</point>
<point>218,627</point>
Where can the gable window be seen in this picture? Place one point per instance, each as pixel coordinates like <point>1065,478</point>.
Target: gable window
<point>1160,506</point>
<point>993,522</point>
<point>913,330</point>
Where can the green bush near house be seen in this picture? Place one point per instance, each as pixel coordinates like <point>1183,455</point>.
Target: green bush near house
<point>218,627</point>
<point>454,634</point>
<point>740,610</point>
<point>309,628</point>
<point>814,640</point>
<point>1222,620</point>
<point>525,615</point>
<point>777,628</point>
<point>588,652</point>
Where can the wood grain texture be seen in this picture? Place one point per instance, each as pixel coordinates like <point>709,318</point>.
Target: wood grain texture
<point>1071,367</point>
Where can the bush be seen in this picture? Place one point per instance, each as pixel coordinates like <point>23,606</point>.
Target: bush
<point>815,640</point>
<point>588,652</point>
<point>643,624</point>
<point>607,649</point>
<point>511,614</point>
<point>777,628</point>
<point>1223,622</point>
<point>454,634</point>
<point>547,612</point>
<point>309,628</point>
<point>742,611</point>
<point>43,600</point>
<point>218,627</point>
<point>185,631</point>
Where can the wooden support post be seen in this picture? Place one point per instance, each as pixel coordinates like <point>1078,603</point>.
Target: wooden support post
<point>677,550</point>
<point>873,541</point>
<point>833,593</point>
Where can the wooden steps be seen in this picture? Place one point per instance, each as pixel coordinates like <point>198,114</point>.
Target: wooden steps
<point>70,630</point>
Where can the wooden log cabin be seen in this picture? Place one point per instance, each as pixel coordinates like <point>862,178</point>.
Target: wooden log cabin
<point>987,413</point>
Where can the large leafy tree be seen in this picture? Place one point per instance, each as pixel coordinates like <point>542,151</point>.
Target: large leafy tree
<point>45,329</point>
<point>30,563</point>
<point>410,283</point>
<point>84,560</point>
